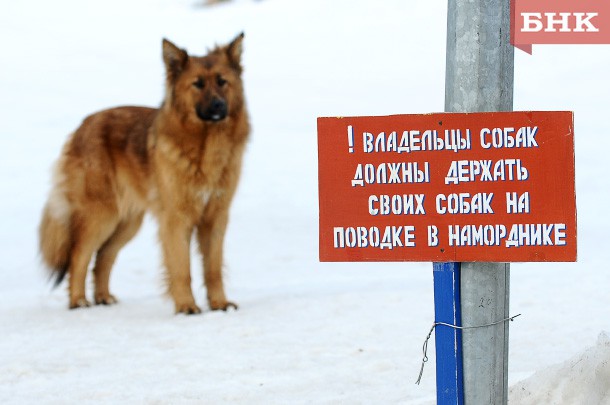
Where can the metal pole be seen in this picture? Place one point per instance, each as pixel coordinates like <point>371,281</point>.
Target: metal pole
<point>479,77</point>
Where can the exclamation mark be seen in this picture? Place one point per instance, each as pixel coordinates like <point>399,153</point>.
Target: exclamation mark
<point>350,138</point>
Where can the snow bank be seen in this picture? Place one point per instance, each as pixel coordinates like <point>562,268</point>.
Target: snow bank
<point>583,379</point>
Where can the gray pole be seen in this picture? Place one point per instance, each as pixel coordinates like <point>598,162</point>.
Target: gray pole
<point>479,77</point>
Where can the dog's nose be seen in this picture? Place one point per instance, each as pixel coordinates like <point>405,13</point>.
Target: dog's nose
<point>218,105</point>
<point>218,109</point>
<point>215,111</point>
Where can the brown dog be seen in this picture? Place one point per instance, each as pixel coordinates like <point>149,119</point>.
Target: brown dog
<point>181,161</point>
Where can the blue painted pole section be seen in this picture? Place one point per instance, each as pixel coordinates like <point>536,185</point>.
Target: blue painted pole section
<point>449,369</point>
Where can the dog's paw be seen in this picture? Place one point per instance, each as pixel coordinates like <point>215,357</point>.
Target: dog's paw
<point>223,306</point>
<point>105,299</point>
<point>79,302</point>
<point>188,309</point>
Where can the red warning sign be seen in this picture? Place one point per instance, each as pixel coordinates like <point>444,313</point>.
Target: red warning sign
<point>450,187</point>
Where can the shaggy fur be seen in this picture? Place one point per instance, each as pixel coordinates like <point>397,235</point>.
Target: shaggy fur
<point>181,162</point>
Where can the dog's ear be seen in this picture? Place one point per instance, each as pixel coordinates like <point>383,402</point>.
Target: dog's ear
<point>234,50</point>
<point>174,58</point>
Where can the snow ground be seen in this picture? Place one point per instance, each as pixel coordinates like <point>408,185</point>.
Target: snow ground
<point>582,379</point>
<point>306,332</point>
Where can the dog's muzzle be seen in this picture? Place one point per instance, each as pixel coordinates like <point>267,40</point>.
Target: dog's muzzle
<point>215,111</point>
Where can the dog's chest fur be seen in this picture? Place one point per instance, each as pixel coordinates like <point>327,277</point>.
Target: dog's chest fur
<point>194,168</point>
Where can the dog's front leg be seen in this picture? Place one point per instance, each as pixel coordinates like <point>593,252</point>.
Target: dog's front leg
<point>210,233</point>
<point>175,238</point>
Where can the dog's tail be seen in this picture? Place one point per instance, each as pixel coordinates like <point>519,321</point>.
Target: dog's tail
<point>54,233</point>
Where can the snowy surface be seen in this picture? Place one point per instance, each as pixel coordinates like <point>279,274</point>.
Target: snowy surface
<point>305,332</point>
<point>584,379</point>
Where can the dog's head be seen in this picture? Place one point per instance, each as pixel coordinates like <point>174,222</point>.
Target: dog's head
<point>207,88</point>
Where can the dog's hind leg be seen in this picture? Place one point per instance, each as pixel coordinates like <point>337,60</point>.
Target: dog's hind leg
<point>89,236</point>
<point>107,254</point>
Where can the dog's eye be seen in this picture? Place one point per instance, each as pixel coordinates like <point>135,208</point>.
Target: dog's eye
<point>199,83</point>
<point>221,81</point>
